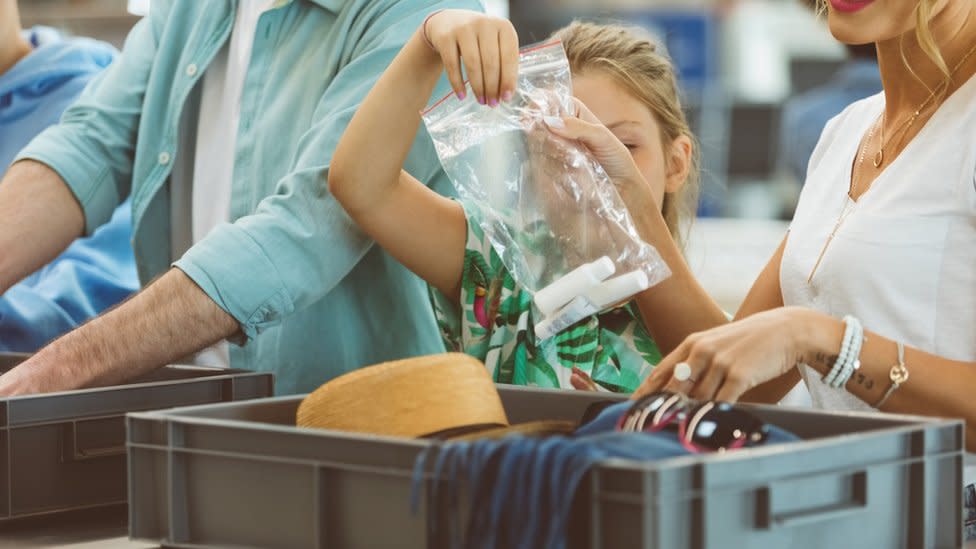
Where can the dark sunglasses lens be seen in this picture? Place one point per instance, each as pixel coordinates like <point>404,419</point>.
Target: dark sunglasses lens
<point>594,410</point>
<point>725,426</point>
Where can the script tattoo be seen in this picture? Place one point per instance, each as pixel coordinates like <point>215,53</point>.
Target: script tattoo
<point>864,380</point>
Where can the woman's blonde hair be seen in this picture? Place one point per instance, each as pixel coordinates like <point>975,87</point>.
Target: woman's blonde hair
<point>923,33</point>
<point>632,59</point>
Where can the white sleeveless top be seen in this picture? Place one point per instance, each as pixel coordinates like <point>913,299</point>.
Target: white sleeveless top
<point>904,260</point>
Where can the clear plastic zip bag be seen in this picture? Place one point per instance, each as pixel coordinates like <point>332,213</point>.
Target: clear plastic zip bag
<point>552,214</point>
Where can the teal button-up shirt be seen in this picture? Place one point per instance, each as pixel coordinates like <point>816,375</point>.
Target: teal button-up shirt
<point>314,297</point>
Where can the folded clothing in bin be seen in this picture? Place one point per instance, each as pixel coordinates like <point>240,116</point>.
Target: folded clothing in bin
<point>521,488</point>
<point>521,478</point>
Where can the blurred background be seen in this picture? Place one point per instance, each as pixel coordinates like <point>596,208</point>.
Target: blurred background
<point>759,77</point>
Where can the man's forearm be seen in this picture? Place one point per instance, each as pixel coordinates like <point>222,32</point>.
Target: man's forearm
<point>39,218</point>
<point>168,320</point>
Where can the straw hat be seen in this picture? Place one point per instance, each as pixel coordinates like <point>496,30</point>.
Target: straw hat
<point>440,396</point>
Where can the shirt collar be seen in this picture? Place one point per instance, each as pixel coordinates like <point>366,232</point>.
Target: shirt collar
<point>331,5</point>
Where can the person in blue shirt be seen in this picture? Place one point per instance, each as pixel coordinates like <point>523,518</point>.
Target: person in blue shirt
<point>41,73</point>
<point>235,234</point>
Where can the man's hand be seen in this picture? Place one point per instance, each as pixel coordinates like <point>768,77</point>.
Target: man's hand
<point>168,320</point>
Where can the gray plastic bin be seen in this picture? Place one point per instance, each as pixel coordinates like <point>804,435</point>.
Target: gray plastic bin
<point>242,475</point>
<point>66,451</point>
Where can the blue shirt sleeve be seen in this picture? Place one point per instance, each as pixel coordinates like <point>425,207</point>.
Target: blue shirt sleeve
<point>94,273</point>
<point>299,243</point>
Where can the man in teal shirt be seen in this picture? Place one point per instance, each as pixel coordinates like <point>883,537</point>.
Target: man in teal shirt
<point>289,278</point>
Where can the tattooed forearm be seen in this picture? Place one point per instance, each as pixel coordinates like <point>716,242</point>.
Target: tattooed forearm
<point>819,359</point>
<point>864,380</point>
<point>827,360</point>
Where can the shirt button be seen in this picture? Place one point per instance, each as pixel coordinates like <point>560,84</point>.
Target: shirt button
<point>191,69</point>
<point>164,158</point>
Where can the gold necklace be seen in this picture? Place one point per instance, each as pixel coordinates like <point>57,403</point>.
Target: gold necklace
<point>879,156</point>
<point>848,204</point>
<point>904,126</point>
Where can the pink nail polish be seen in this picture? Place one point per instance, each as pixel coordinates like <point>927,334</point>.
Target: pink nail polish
<point>507,96</point>
<point>494,102</point>
<point>461,95</point>
<point>481,100</point>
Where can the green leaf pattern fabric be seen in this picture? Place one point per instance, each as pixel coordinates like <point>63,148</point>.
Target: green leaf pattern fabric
<point>494,323</point>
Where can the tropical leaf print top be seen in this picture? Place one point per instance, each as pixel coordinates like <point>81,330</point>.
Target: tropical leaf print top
<point>494,324</point>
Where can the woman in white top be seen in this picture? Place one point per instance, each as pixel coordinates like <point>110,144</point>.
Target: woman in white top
<point>885,232</point>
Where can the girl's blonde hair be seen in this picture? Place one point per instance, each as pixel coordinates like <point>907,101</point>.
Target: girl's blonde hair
<point>631,58</point>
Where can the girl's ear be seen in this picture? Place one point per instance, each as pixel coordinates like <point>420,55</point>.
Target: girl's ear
<point>679,163</point>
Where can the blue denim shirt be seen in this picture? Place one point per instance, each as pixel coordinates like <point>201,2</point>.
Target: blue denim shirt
<point>94,273</point>
<point>314,297</point>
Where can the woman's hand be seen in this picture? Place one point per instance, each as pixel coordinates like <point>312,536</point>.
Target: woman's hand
<point>486,46</point>
<point>727,361</point>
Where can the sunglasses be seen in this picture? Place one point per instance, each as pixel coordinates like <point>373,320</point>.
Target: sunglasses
<point>702,426</point>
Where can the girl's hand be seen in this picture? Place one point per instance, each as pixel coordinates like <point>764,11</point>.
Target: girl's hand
<point>486,46</point>
<point>614,158</point>
<point>729,360</point>
<point>581,381</point>
<point>609,151</point>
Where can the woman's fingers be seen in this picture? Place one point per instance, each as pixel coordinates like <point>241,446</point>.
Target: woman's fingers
<point>684,376</point>
<point>736,381</point>
<point>707,384</point>
<point>662,373</point>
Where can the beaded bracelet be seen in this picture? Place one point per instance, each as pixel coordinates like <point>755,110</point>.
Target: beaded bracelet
<point>853,361</point>
<point>847,359</point>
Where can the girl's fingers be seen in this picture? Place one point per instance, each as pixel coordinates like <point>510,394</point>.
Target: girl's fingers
<point>471,55</point>
<point>509,58</point>
<point>581,384</point>
<point>594,136</point>
<point>451,58</point>
<point>584,113</point>
<point>490,63</point>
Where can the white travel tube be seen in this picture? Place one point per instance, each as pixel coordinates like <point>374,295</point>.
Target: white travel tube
<point>576,283</point>
<point>596,299</point>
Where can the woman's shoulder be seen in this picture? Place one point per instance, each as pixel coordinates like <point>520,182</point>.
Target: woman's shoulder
<point>853,120</point>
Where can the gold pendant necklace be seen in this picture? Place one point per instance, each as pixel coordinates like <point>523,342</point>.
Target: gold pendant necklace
<point>848,204</point>
<point>879,156</point>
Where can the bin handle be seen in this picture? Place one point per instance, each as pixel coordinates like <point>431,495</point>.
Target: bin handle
<point>71,450</point>
<point>768,518</point>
